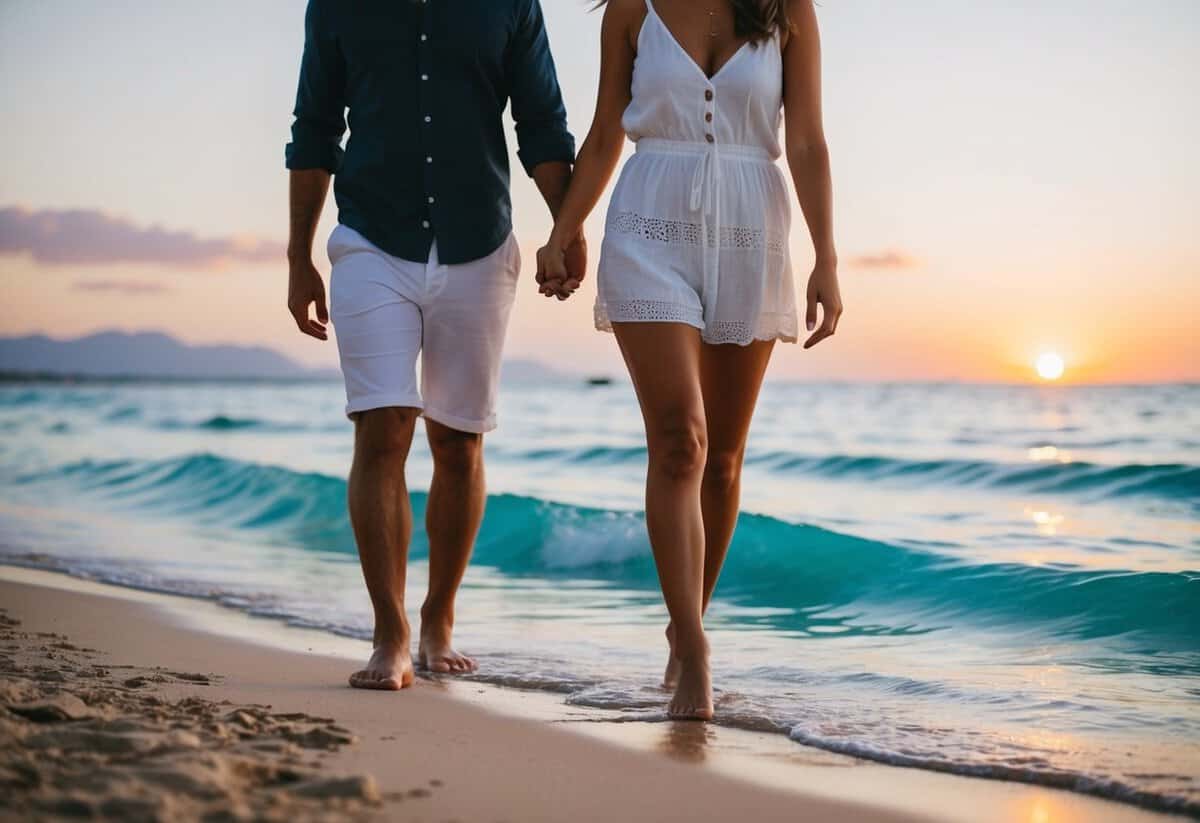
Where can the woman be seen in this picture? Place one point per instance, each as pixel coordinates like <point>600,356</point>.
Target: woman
<point>694,277</point>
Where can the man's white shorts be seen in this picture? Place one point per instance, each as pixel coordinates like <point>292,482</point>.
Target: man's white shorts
<point>386,311</point>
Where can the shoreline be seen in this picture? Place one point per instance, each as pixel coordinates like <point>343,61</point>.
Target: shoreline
<point>507,753</point>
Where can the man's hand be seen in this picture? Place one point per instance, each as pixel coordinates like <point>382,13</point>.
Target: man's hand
<point>823,290</point>
<point>306,287</point>
<point>562,270</point>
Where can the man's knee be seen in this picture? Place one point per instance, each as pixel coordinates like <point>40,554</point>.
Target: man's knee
<point>384,434</point>
<point>454,452</point>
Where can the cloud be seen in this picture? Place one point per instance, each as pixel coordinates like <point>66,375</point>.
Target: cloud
<point>129,287</point>
<point>886,259</point>
<point>91,237</point>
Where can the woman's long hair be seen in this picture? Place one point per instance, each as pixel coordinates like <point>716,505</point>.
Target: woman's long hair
<point>756,20</point>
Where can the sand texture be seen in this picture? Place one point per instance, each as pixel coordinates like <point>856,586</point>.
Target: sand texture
<point>128,706</point>
<point>81,738</point>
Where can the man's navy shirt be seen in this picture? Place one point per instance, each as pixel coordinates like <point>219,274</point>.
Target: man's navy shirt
<point>426,83</point>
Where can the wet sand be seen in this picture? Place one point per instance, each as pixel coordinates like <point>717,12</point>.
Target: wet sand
<point>134,706</point>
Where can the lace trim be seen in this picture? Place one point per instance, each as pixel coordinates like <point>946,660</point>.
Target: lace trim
<point>683,233</point>
<point>770,325</point>
<point>645,311</point>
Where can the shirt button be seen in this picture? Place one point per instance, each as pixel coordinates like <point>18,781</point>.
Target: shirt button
<point>424,224</point>
<point>708,95</point>
<point>431,200</point>
<point>708,117</point>
<point>429,159</point>
<point>428,119</point>
<point>424,76</point>
<point>710,138</point>
<point>424,37</point>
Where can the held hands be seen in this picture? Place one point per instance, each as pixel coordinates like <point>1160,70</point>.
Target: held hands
<point>306,287</point>
<point>823,290</point>
<point>561,269</point>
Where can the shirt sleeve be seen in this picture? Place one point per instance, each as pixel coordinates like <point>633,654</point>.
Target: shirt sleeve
<point>320,100</point>
<point>537,104</point>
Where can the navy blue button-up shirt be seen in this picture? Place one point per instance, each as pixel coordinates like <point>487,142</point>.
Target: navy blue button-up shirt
<point>426,83</point>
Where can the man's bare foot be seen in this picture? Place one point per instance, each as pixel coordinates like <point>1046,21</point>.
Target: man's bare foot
<point>693,698</point>
<point>436,654</point>
<point>389,669</point>
<point>671,674</point>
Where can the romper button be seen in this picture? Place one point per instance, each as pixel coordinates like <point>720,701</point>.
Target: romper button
<point>710,138</point>
<point>708,95</point>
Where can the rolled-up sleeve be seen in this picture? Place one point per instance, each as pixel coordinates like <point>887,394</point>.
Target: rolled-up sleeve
<point>537,104</point>
<point>321,98</point>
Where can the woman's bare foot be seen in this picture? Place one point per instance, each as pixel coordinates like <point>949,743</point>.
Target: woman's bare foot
<point>436,654</point>
<point>389,669</point>
<point>671,674</point>
<point>693,698</point>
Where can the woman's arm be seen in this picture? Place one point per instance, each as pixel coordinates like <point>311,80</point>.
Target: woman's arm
<point>808,159</point>
<point>601,150</point>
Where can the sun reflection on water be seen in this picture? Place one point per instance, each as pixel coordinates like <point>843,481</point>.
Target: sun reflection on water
<point>1049,454</point>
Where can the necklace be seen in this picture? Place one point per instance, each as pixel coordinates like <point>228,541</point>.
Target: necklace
<point>712,24</point>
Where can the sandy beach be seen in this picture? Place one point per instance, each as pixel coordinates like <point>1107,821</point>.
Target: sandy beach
<point>137,706</point>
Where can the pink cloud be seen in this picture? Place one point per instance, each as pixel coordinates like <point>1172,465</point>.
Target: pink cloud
<point>886,259</point>
<point>129,287</point>
<point>92,237</point>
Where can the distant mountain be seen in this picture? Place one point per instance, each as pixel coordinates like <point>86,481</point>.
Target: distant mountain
<point>144,354</point>
<point>530,371</point>
<point>114,354</point>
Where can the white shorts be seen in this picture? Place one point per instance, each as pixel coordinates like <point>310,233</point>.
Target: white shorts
<point>386,311</point>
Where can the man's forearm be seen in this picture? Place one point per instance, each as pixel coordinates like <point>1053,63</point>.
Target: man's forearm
<point>306,194</point>
<point>553,179</point>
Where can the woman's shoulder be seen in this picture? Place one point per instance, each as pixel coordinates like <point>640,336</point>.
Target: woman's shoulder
<point>630,10</point>
<point>797,11</point>
<point>626,16</point>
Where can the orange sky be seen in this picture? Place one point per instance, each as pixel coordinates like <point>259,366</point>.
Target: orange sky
<point>1000,191</point>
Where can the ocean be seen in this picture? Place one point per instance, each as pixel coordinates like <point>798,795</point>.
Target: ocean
<point>1001,581</point>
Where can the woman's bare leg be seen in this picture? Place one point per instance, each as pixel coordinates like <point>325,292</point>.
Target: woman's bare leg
<point>730,379</point>
<point>664,362</point>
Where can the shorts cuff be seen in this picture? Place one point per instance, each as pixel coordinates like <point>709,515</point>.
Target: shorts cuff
<point>462,424</point>
<point>383,401</point>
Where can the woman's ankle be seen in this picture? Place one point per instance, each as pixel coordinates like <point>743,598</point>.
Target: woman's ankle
<point>691,645</point>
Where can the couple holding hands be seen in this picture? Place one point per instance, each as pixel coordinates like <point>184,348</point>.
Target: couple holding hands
<point>695,279</point>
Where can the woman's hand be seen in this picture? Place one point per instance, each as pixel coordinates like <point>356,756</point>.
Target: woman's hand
<point>561,270</point>
<point>823,290</point>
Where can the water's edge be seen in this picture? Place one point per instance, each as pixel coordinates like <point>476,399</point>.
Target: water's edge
<point>739,758</point>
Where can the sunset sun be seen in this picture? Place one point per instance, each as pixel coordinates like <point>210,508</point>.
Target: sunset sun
<point>1050,366</point>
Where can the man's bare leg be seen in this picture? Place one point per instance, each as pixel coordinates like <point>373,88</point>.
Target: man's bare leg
<point>382,519</point>
<point>452,517</point>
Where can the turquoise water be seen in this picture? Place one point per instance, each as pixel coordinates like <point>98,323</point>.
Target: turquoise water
<point>999,581</point>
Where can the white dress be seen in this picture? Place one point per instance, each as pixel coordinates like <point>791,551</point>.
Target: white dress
<point>697,228</point>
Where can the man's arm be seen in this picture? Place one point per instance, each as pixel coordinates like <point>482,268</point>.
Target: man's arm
<point>545,146</point>
<point>553,179</point>
<point>306,198</point>
<point>314,154</point>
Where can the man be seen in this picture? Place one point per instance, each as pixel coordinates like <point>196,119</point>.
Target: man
<point>424,263</point>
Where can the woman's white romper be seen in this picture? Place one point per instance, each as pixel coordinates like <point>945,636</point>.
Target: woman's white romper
<point>697,228</point>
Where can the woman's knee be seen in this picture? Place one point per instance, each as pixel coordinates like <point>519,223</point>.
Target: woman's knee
<point>723,468</point>
<point>678,446</point>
